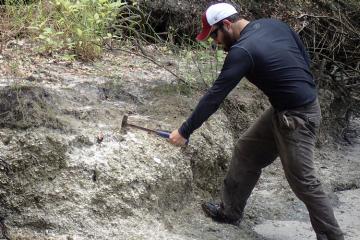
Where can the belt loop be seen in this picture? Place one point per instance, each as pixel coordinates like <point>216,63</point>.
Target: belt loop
<point>286,121</point>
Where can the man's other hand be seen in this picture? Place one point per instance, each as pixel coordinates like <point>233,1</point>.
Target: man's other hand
<point>176,138</point>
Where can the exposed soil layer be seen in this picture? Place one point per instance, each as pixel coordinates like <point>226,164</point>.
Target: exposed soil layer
<point>59,181</point>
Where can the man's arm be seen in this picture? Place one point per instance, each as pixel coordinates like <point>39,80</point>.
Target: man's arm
<point>236,65</point>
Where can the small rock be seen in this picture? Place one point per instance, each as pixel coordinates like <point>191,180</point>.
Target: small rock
<point>81,141</point>
<point>100,138</point>
<point>31,78</point>
<point>6,139</point>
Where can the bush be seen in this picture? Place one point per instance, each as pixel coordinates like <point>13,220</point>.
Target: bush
<point>71,28</point>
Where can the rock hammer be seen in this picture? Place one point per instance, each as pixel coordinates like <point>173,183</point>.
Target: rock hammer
<point>161,133</point>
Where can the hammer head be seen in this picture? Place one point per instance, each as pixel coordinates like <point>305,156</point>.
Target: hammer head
<point>124,122</point>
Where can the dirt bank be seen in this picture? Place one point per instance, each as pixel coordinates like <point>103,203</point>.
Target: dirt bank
<point>58,181</point>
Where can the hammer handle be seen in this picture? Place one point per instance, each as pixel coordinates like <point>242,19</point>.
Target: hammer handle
<point>161,133</point>
<point>166,134</point>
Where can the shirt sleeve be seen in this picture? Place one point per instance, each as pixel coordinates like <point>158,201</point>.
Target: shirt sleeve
<point>236,65</point>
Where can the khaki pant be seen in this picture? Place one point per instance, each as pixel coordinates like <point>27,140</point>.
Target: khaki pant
<point>290,135</point>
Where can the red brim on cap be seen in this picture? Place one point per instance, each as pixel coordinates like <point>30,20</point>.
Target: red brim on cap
<point>206,29</point>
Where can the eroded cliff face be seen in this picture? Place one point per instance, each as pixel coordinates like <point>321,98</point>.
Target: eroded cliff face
<point>58,180</point>
<point>61,180</point>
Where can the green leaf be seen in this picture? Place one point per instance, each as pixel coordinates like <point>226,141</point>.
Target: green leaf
<point>79,32</point>
<point>48,30</point>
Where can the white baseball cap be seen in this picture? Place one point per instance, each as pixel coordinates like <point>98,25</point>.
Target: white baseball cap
<point>214,14</point>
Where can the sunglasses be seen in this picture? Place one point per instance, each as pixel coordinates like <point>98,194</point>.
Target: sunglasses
<point>214,33</point>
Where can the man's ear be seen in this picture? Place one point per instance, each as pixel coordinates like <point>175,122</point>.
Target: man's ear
<point>227,24</point>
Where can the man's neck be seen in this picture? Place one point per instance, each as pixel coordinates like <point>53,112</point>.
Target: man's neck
<point>239,26</point>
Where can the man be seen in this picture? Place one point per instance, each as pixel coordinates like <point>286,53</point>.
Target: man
<point>271,56</point>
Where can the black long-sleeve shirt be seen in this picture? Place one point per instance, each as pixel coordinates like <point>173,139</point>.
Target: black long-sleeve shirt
<point>271,56</point>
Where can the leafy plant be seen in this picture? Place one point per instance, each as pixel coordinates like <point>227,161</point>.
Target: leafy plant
<point>202,63</point>
<point>73,28</point>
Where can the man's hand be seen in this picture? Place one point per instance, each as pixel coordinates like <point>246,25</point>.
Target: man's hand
<point>176,138</point>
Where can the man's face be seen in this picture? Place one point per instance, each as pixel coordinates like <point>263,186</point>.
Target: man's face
<point>227,41</point>
<point>223,37</point>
